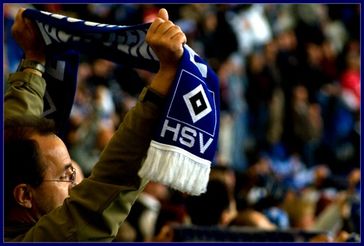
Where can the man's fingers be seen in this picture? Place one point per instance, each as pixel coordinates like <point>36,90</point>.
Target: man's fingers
<point>19,14</point>
<point>160,28</point>
<point>165,38</point>
<point>30,24</point>
<point>180,37</point>
<point>174,32</point>
<point>165,27</point>
<point>161,18</point>
<point>153,28</point>
<point>163,14</point>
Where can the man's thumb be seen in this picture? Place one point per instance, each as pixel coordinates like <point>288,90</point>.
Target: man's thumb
<point>163,14</point>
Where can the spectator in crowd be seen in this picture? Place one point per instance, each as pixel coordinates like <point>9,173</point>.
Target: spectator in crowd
<point>145,211</point>
<point>211,208</point>
<point>169,215</point>
<point>254,219</point>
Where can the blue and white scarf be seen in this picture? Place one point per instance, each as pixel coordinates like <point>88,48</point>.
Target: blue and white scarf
<point>184,144</point>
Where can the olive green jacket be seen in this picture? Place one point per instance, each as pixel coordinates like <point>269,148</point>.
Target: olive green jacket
<point>99,204</point>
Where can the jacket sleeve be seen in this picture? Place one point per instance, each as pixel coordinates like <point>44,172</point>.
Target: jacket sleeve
<point>24,95</point>
<point>99,204</point>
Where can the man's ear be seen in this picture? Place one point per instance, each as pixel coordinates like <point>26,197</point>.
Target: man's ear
<point>22,195</point>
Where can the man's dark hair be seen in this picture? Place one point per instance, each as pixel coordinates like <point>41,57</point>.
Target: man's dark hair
<point>22,160</point>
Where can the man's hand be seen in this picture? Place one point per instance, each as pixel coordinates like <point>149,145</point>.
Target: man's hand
<point>166,40</point>
<point>26,34</point>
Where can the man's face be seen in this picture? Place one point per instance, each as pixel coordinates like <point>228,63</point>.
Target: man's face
<point>58,174</point>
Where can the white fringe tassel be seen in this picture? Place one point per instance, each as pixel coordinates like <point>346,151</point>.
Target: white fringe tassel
<point>176,168</point>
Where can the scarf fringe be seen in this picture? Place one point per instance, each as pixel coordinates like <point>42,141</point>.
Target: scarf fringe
<point>176,168</point>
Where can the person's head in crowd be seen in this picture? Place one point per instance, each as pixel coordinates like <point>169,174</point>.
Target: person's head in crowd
<point>225,174</point>
<point>258,163</point>
<point>169,214</point>
<point>157,190</point>
<point>212,207</point>
<point>43,175</point>
<point>301,211</point>
<point>252,218</point>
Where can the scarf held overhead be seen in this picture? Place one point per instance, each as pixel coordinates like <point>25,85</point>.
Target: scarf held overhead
<point>185,141</point>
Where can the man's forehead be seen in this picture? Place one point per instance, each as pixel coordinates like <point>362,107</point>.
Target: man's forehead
<point>53,150</point>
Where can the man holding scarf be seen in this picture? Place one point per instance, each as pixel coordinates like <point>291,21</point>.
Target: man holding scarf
<point>47,209</point>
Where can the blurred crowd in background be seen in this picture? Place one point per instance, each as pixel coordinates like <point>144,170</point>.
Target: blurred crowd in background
<point>289,144</point>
